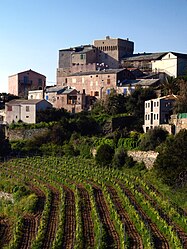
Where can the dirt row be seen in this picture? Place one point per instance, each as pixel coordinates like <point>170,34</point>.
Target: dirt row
<point>5,232</point>
<point>158,239</point>
<point>88,225</point>
<point>52,223</point>
<point>31,221</point>
<point>180,232</point>
<point>111,235</point>
<point>70,219</point>
<point>135,240</point>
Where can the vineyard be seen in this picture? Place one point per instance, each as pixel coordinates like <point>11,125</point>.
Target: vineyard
<point>71,203</point>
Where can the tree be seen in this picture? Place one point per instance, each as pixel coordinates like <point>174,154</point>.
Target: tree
<point>114,104</point>
<point>5,147</point>
<point>180,105</point>
<point>135,104</point>
<point>153,138</point>
<point>104,155</point>
<point>172,158</point>
<point>170,86</point>
<point>121,159</point>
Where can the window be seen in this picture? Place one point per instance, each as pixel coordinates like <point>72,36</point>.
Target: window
<point>154,104</point>
<point>26,79</point>
<point>154,116</point>
<point>81,56</point>
<point>9,108</point>
<point>27,108</point>
<point>108,91</point>
<point>108,81</point>
<point>125,91</point>
<point>96,93</point>
<point>27,116</point>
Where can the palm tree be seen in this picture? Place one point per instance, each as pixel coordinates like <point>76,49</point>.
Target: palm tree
<point>170,86</point>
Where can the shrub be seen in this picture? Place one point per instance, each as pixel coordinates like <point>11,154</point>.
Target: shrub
<point>172,159</point>
<point>119,158</point>
<point>153,138</point>
<point>104,155</point>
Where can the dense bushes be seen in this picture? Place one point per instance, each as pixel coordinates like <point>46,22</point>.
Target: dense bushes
<point>172,158</point>
<point>153,138</point>
<point>104,155</point>
<point>121,159</point>
<point>4,145</point>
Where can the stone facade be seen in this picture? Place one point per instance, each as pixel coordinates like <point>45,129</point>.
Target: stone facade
<point>18,134</point>
<point>111,51</point>
<point>67,98</point>
<point>98,83</point>
<point>107,52</point>
<point>178,122</point>
<point>148,157</point>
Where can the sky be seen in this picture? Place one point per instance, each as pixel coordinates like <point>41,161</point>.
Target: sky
<point>32,32</point>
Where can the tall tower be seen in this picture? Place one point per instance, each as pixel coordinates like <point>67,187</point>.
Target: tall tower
<point>111,50</point>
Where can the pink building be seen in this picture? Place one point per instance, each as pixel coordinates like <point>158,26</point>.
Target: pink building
<point>19,84</point>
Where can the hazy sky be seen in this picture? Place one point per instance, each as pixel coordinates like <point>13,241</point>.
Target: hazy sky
<point>32,32</point>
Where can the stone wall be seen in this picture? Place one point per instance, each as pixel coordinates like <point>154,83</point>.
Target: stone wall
<point>24,134</point>
<point>148,157</point>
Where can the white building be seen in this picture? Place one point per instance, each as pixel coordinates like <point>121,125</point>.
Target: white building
<point>24,110</point>
<point>158,112</point>
<point>171,63</point>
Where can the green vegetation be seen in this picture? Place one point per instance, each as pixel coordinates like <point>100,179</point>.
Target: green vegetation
<point>171,162</point>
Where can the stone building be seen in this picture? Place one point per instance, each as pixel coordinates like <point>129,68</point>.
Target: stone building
<point>103,54</point>
<point>98,83</point>
<point>68,98</point>
<point>19,84</point>
<point>111,51</point>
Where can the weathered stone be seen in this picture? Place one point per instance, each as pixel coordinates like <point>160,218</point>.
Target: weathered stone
<point>25,134</point>
<point>148,157</point>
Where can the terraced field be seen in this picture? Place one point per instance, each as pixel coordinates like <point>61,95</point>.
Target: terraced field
<point>79,205</point>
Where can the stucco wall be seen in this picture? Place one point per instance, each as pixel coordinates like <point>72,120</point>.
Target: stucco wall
<point>167,64</point>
